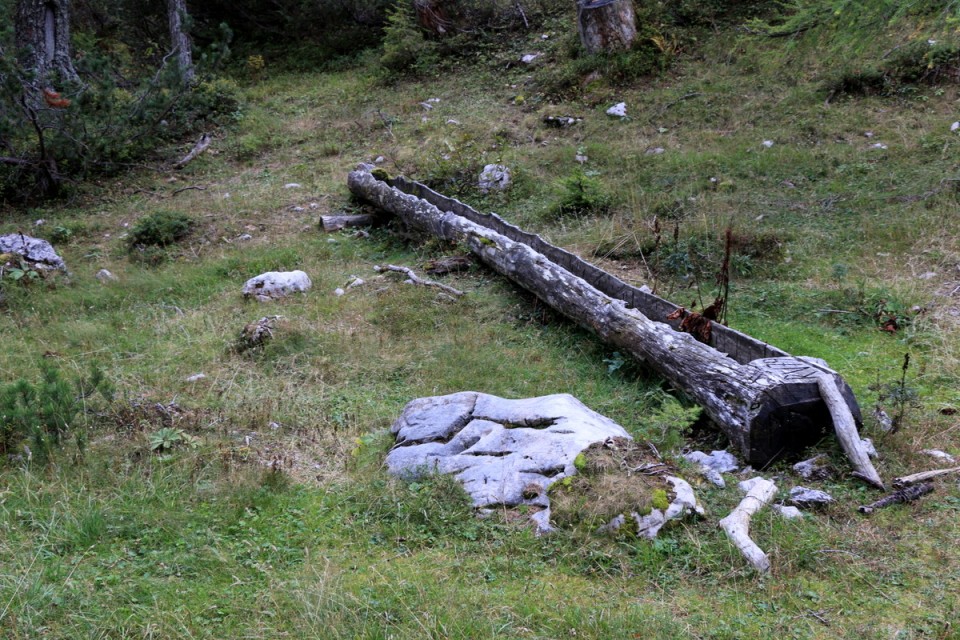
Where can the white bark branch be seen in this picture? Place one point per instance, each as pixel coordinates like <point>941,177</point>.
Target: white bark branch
<point>415,279</point>
<point>737,524</point>
<point>846,430</point>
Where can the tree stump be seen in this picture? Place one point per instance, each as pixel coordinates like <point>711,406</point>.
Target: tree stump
<point>606,25</point>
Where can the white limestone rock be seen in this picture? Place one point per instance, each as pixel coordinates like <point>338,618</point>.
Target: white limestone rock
<point>273,285</point>
<point>806,498</point>
<point>714,464</point>
<point>618,110</point>
<point>500,450</point>
<point>790,513</point>
<point>105,276</point>
<point>39,252</point>
<point>494,177</point>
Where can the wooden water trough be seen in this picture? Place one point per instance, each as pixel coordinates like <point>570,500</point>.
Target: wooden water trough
<point>769,403</point>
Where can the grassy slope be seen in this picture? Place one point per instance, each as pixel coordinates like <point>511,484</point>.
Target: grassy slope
<point>205,544</point>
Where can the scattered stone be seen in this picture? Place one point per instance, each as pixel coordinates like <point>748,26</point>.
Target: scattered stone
<point>355,281</point>
<point>884,421</point>
<point>654,151</point>
<point>243,237</point>
<point>790,513</point>
<point>292,185</point>
<point>297,209</point>
<point>433,100</point>
<point>39,223</point>
<point>378,160</point>
<point>314,206</point>
<point>808,498</point>
<point>530,58</point>
<point>582,159</point>
<point>195,377</point>
<point>427,106</point>
<point>767,143</point>
<point>561,122</point>
<point>494,177</point>
<point>955,126</point>
<point>878,145</point>
<point>38,252</point>
<point>105,276</point>
<point>927,276</point>
<point>545,37</point>
<point>276,284</point>
<point>618,110</point>
<point>812,469</point>
<point>714,464</point>
<point>338,292</point>
<point>496,447</point>
<point>452,121</point>
<point>939,455</point>
<point>868,134</point>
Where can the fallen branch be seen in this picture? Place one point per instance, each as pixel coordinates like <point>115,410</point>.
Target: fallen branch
<point>198,148</point>
<point>737,524</point>
<point>335,223</point>
<point>906,481</point>
<point>846,430</point>
<point>190,188</point>
<point>907,494</point>
<point>415,279</point>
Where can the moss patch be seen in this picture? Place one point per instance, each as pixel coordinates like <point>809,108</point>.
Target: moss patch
<point>610,481</point>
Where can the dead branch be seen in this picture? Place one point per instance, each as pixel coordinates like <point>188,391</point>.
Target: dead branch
<point>906,494</point>
<point>906,481</point>
<point>846,429</point>
<point>737,524</point>
<point>414,279</point>
<point>198,148</point>
<point>182,189</point>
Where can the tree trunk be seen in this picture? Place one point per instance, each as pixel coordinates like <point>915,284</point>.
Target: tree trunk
<point>179,38</point>
<point>768,406</point>
<point>43,37</point>
<point>606,25</point>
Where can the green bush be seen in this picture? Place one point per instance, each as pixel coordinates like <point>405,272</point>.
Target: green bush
<point>581,193</point>
<point>44,412</point>
<point>160,229</point>
<point>405,49</point>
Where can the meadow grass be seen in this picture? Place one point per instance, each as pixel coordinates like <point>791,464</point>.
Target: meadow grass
<point>117,541</point>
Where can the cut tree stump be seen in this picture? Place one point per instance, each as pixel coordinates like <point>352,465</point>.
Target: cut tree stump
<point>768,402</point>
<point>606,25</point>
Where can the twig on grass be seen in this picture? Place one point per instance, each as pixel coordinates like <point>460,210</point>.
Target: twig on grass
<point>415,279</point>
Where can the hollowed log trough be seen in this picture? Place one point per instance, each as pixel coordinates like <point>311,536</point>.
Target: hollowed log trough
<point>766,401</point>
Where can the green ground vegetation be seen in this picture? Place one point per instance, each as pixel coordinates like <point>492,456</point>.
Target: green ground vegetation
<point>251,502</point>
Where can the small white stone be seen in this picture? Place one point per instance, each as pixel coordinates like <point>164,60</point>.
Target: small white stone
<point>434,100</point>
<point>452,121</point>
<point>955,126</point>
<point>274,426</point>
<point>314,205</point>
<point>878,145</point>
<point>618,110</point>
<point>378,160</point>
<point>39,223</point>
<point>582,159</point>
<point>790,513</point>
<point>243,237</point>
<point>292,185</point>
<point>768,143</point>
<point>338,292</point>
<point>530,58</point>
<point>196,376</point>
<point>654,151</point>
<point>928,275</point>
<point>869,134</point>
<point>105,276</point>
<point>226,196</point>
<point>545,37</point>
<point>297,209</point>
<point>426,105</point>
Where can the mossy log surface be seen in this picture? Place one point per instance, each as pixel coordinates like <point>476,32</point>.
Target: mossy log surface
<point>766,401</point>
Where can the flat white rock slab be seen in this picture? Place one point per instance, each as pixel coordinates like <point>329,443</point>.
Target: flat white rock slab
<point>276,284</point>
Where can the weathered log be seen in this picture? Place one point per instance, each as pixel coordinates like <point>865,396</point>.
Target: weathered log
<point>198,148</point>
<point>737,524</point>
<point>906,494</point>
<point>335,223</point>
<point>606,25</point>
<point>766,401</point>
<point>914,478</point>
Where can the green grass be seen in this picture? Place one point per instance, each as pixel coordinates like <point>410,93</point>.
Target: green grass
<point>207,542</point>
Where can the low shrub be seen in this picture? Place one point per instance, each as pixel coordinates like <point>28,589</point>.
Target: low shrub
<point>160,229</point>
